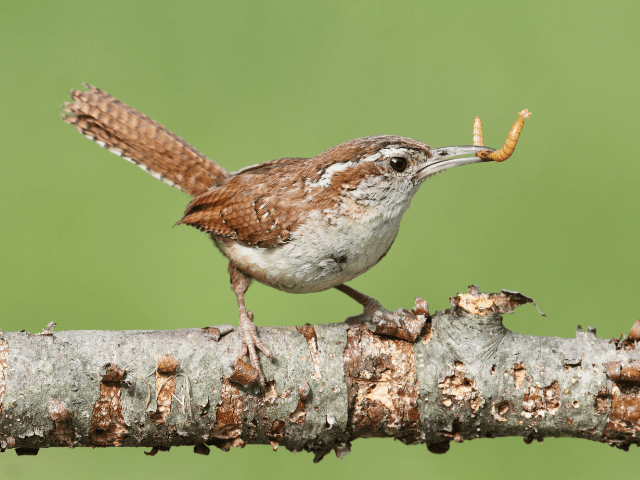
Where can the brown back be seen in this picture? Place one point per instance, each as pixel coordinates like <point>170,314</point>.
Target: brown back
<point>262,205</point>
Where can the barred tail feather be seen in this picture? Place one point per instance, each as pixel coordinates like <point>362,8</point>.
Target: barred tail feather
<point>142,141</point>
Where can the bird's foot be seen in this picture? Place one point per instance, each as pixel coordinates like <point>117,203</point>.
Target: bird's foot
<point>251,344</point>
<point>404,324</point>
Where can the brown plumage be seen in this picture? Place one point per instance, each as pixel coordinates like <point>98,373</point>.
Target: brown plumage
<point>246,206</point>
<point>300,225</point>
<point>263,204</point>
<point>139,139</point>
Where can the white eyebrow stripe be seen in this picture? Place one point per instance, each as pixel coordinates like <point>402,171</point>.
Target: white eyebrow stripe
<point>388,152</point>
<point>325,178</point>
<point>393,151</point>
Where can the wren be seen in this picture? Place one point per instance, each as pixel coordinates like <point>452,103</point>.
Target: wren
<point>300,225</point>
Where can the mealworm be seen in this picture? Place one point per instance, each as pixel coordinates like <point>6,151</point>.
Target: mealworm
<point>510,143</point>
<point>477,133</point>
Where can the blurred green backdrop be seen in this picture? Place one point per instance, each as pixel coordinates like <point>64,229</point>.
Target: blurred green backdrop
<point>86,238</point>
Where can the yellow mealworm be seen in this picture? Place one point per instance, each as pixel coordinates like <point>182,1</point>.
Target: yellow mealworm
<point>477,133</point>
<point>510,144</point>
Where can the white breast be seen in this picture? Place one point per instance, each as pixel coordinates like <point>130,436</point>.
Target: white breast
<point>326,251</point>
<point>333,247</point>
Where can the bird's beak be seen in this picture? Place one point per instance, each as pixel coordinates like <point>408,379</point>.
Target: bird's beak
<point>447,157</point>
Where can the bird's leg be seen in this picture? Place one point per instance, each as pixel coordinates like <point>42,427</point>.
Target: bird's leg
<point>240,284</point>
<point>402,323</point>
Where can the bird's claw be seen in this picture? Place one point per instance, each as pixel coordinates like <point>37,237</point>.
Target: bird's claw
<point>251,343</point>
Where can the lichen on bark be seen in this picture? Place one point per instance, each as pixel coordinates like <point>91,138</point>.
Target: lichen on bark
<point>464,377</point>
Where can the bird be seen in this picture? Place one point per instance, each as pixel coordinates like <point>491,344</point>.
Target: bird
<point>299,225</point>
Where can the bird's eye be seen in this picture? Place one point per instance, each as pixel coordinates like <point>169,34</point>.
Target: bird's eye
<point>398,163</point>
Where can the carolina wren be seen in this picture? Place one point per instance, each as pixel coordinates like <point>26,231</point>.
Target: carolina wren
<point>300,225</point>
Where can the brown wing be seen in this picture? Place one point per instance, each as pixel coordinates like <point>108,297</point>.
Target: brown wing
<point>263,204</point>
<point>250,205</point>
<point>139,139</point>
<point>265,167</point>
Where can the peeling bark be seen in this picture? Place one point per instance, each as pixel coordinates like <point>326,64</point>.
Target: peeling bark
<point>380,375</point>
<point>464,377</point>
<point>108,428</point>
<point>4,358</point>
<point>62,432</point>
<point>165,388</point>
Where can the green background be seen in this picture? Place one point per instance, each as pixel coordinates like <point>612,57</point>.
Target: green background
<point>86,238</point>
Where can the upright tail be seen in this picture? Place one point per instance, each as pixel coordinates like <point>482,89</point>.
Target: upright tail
<point>142,141</point>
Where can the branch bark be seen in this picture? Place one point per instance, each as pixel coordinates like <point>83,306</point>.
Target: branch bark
<point>465,377</point>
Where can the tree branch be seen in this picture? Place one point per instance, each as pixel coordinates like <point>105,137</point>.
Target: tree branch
<point>466,376</point>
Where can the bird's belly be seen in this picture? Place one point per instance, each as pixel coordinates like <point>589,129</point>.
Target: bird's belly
<point>319,256</point>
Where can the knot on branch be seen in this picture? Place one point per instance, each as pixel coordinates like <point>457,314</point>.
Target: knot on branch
<point>472,329</point>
